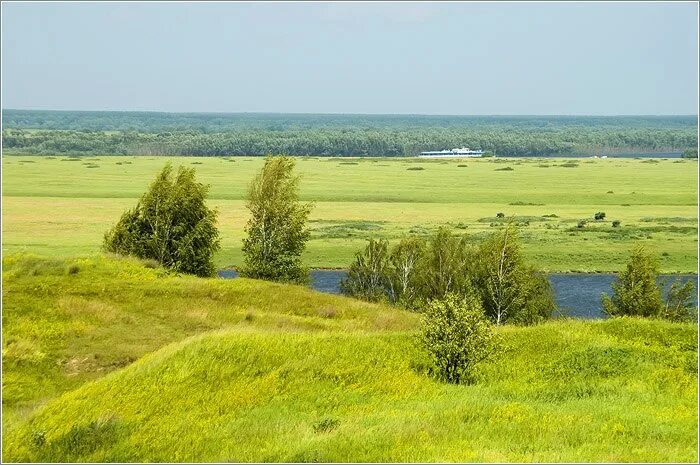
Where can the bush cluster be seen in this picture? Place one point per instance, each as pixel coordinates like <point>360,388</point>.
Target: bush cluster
<point>417,271</point>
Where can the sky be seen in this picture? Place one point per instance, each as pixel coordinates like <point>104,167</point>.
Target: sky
<point>412,58</point>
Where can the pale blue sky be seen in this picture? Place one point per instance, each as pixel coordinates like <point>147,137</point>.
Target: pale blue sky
<point>448,58</point>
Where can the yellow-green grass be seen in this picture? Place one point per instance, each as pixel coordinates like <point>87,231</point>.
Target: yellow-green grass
<point>68,321</point>
<point>62,208</point>
<point>107,360</point>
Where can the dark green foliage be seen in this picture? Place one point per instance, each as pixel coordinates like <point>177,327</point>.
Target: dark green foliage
<point>581,224</point>
<point>599,216</point>
<point>636,291</point>
<point>679,302</point>
<point>38,438</point>
<point>507,168</point>
<point>79,441</point>
<point>337,135</point>
<point>416,271</point>
<point>457,337</point>
<point>690,153</point>
<point>616,223</point>
<point>326,425</point>
<point>277,231</point>
<point>415,168</point>
<point>500,215</point>
<point>367,276</point>
<point>509,289</point>
<point>170,224</point>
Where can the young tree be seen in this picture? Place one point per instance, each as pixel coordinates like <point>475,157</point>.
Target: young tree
<point>367,276</point>
<point>446,266</point>
<point>636,291</point>
<point>679,302</point>
<point>509,289</point>
<point>170,224</point>
<point>457,336</point>
<point>404,270</point>
<point>277,232</point>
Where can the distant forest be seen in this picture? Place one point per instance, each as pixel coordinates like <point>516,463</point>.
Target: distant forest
<point>218,134</point>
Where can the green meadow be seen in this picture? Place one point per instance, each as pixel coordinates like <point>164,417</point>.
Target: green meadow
<point>61,206</point>
<point>107,359</point>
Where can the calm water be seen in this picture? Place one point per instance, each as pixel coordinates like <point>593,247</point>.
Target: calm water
<point>577,294</point>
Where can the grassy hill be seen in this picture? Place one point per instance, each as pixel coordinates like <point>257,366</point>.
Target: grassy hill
<point>107,360</point>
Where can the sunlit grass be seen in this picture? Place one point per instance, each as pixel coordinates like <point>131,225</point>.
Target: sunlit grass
<point>106,359</point>
<point>62,209</point>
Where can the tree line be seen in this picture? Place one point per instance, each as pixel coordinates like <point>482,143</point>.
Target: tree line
<point>354,141</point>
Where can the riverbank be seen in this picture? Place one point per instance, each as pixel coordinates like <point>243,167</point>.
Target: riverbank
<point>577,295</point>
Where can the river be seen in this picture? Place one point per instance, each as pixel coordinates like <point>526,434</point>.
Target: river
<point>577,294</point>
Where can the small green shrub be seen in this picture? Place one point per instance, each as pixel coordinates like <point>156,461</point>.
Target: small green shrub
<point>599,216</point>
<point>506,168</point>
<point>500,215</point>
<point>326,425</point>
<point>415,168</point>
<point>581,224</point>
<point>616,224</point>
<point>38,438</point>
<point>457,336</point>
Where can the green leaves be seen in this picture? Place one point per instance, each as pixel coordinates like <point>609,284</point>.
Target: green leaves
<point>170,224</point>
<point>416,271</point>
<point>368,275</point>
<point>510,290</point>
<point>637,292</point>
<point>277,232</point>
<point>457,336</point>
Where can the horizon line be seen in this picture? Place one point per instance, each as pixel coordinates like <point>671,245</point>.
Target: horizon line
<point>356,114</point>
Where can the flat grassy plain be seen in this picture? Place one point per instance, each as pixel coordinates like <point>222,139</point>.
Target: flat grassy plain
<point>61,206</point>
<point>105,359</point>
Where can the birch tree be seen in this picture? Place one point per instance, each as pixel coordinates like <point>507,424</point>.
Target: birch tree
<point>276,231</point>
<point>510,290</point>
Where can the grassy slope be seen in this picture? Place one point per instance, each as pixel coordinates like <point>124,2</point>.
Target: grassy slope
<point>60,330</point>
<point>62,208</point>
<point>263,388</point>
